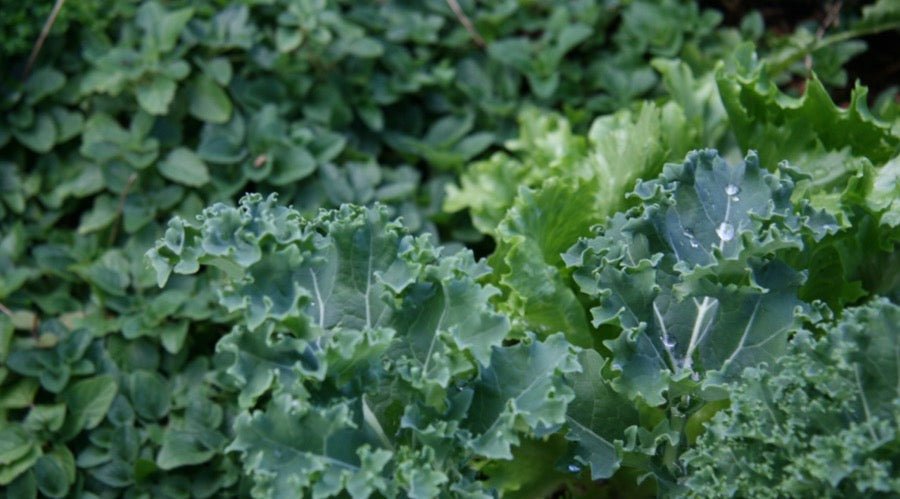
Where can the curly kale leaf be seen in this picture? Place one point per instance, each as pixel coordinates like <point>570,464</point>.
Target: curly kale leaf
<point>690,287</point>
<point>821,423</point>
<point>689,277</point>
<point>368,361</point>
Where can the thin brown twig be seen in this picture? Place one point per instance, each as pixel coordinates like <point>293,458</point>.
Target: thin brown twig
<point>832,17</point>
<point>464,20</point>
<point>35,320</point>
<point>121,208</point>
<point>35,325</point>
<point>45,32</point>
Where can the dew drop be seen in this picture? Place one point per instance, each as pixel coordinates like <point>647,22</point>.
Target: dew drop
<point>669,343</point>
<point>574,468</point>
<point>617,366</point>
<point>735,199</point>
<point>689,234</point>
<point>725,231</point>
<point>732,189</point>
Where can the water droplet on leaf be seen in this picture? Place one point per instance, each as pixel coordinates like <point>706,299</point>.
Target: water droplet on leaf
<point>725,231</point>
<point>732,189</point>
<point>574,468</point>
<point>669,343</point>
<point>689,234</point>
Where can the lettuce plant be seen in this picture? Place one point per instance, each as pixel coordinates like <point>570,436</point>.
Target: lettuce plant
<point>849,159</point>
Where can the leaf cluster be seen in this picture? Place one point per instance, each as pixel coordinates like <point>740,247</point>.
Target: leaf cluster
<point>327,345</point>
<point>706,271</point>
<point>366,361</point>
<point>144,110</point>
<point>821,422</point>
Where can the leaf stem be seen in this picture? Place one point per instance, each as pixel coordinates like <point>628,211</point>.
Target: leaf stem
<point>832,11</point>
<point>702,309</point>
<point>865,404</point>
<point>464,20</point>
<point>778,67</point>
<point>45,32</point>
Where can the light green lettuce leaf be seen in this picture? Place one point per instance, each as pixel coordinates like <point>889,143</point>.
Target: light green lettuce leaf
<point>535,232</point>
<point>564,186</point>
<point>488,188</point>
<point>781,127</point>
<point>844,160</point>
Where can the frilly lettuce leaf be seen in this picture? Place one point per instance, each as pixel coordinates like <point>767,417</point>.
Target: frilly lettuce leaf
<point>783,127</point>
<point>535,232</point>
<point>884,196</point>
<point>846,164</point>
<point>553,187</point>
<point>367,361</point>
<point>618,149</point>
<point>488,188</point>
<point>861,259</point>
<point>820,422</point>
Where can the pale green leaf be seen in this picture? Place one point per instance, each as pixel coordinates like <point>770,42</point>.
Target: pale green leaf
<point>208,101</point>
<point>182,165</point>
<point>155,94</point>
